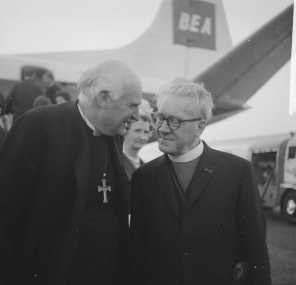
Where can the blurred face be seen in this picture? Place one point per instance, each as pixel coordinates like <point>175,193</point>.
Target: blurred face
<point>137,135</point>
<point>46,80</point>
<point>120,112</point>
<point>60,99</point>
<point>186,137</point>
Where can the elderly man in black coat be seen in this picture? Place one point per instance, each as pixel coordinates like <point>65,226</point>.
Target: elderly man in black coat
<point>196,216</point>
<point>63,208</point>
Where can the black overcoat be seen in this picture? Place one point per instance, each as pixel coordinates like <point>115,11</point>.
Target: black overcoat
<point>44,174</point>
<point>222,225</point>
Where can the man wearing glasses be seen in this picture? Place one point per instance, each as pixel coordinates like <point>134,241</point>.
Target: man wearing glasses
<point>196,216</point>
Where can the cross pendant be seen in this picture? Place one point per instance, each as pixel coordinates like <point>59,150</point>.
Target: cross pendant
<point>104,189</point>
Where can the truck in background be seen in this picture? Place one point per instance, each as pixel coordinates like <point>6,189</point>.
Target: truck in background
<point>274,162</point>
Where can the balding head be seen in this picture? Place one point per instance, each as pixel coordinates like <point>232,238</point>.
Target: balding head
<point>109,95</point>
<point>108,76</point>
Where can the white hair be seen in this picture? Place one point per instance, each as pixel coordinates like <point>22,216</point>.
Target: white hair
<point>201,100</point>
<point>108,76</point>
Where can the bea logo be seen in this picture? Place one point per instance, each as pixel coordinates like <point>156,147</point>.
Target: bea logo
<point>194,23</point>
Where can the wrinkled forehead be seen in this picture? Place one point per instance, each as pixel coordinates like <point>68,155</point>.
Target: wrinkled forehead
<point>130,91</point>
<point>171,104</point>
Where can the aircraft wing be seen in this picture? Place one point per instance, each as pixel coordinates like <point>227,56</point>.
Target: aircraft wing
<point>242,72</point>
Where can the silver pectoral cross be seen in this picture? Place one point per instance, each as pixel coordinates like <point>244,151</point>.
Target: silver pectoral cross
<point>104,189</point>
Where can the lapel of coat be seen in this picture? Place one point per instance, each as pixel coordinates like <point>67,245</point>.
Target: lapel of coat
<point>81,146</point>
<point>120,173</point>
<point>205,171</point>
<point>164,181</point>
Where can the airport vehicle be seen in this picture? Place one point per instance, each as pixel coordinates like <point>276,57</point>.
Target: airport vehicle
<point>195,43</point>
<point>274,162</point>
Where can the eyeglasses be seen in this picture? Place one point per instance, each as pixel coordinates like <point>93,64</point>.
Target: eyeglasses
<point>173,122</point>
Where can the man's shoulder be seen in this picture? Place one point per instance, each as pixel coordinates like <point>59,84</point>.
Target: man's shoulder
<point>52,113</point>
<point>29,84</point>
<point>229,156</point>
<point>148,166</point>
<point>229,159</point>
<point>25,84</point>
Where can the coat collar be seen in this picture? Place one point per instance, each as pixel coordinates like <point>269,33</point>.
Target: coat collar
<point>205,171</point>
<point>164,181</point>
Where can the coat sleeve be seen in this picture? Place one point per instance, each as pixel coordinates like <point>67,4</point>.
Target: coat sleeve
<point>19,164</point>
<point>138,235</point>
<point>252,229</point>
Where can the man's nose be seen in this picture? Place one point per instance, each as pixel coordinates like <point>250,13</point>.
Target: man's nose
<point>164,128</point>
<point>136,115</point>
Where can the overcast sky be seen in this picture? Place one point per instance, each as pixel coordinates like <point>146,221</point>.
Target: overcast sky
<point>25,26</point>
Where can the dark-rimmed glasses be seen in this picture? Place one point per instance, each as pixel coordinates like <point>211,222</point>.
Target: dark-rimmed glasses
<point>173,122</point>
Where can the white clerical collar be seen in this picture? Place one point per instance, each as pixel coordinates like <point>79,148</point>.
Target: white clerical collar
<point>190,155</point>
<point>96,133</point>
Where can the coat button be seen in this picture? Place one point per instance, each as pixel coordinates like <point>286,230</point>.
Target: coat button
<point>186,253</point>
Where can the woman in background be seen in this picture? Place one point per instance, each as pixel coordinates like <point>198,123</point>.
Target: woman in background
<point>137,135</point>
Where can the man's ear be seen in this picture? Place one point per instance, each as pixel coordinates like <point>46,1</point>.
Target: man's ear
<point>103,99</point>
<point>201,125</point>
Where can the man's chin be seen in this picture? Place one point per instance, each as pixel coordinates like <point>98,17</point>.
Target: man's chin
<point>122,132</point>
<point>164,147</point>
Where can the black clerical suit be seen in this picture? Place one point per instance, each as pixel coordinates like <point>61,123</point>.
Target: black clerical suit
<point>50,212</point>
<point>129,168</point>
<point>221,226</point>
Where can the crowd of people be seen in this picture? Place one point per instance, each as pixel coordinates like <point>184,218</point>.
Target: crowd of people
<point>29,93</point>
<point>71,177</point>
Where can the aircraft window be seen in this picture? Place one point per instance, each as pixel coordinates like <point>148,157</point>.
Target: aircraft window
<point>292,152</point>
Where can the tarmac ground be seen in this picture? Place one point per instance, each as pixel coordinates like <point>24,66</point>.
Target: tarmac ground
<point>281,242</point>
